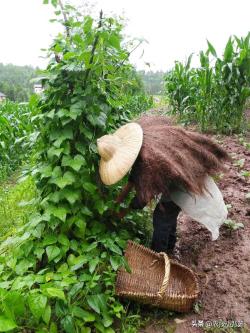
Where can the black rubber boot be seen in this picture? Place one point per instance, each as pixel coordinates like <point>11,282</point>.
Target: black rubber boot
<point>164,222</point>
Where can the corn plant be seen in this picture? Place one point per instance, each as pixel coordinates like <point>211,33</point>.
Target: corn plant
<point>17,133</point>
<point>213,95</point>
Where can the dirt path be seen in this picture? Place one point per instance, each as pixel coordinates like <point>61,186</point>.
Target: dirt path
<point>223,266</point>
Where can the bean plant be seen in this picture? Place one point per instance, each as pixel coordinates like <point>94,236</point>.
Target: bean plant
<point>57,273</point>
<point>214,94</point>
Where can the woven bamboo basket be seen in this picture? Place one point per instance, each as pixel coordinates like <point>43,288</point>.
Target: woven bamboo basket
<point>156,280</point>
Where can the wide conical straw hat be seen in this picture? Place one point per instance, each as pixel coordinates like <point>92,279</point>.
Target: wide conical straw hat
<point>118,152</point>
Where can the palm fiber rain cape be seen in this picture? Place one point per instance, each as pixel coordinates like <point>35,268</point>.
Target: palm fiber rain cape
<point>170,156</point>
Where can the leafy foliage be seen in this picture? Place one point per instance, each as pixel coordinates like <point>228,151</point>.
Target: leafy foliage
<point>213,96</point>
<point>17,203</point>
<point>17,133</point>
<point>57,273</point>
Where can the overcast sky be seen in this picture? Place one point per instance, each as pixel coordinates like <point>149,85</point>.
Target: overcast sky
<point>173,29</point>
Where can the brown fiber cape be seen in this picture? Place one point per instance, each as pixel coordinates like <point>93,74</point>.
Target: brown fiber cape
<point>170,156</point>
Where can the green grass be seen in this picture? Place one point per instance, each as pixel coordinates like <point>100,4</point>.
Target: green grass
<point>16,204</point>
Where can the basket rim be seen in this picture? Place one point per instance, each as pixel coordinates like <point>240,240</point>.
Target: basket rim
<point>171,262</point>
<point>146,294</point>
<point>142,247</point>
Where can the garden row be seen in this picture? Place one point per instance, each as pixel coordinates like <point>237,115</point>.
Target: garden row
<point>214,94</point>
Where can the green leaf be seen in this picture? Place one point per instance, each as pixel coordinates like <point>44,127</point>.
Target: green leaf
<point>92,265</point>
<point>55,292</point>
<point>39,253</point>
<point>54,2</point>
<point>47,314</point>
<point>54,197</point>
<point>49,240</point>
<point>69,55</point>
<point>80,147</point>
<point>75,163</point>
<point>76,262</point>
<point>113,247</point>
<point>59,212</point>
<point>15,302</point>
<point>6,324</point>
<point>101,120</point>
<point>62,239</point>
<point>53,328</point>
<point>57,172</point>
<point>97,303</point>
<point>71,195</point>
<point>85,330</point>
<point>51,114</point>
<point>62,113</point>
<point>37,304</point>
<point>228,52</point>
<point>115,262</point>
<point>91,188</point>
<point>61,136</point>
<point>54,152</point>
<point>83,314</point>
<point>46,171</point>
<point>211,49</point>
<point>107,320</point>
<point>23,266</point>
<point>101,206</point>
<point>86,211</point>
<point>76,110</point>
<point>68,324</point>
<point>52,252</point>
<point>114,40</point>
<point>67,179</point>
<point>81,227</point>
<point>88,21</point>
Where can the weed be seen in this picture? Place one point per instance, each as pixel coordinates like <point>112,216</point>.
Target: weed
<point>197,307</point>
<point>245,173</point>
<point>232,225</point>
<point>240,163</point>
<point>243,141</point>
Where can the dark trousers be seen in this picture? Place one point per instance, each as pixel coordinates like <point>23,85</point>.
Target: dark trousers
<point>164,222</point>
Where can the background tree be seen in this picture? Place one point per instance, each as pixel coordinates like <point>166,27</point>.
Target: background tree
<point>15,81</point>
<point>153,81</point>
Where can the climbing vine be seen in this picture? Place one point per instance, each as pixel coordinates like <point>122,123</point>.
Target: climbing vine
<point>57,274</point>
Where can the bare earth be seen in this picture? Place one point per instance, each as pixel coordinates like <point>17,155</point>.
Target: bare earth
<point>222,266</point>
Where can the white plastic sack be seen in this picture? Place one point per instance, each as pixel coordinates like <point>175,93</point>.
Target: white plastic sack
<point>209,209</point>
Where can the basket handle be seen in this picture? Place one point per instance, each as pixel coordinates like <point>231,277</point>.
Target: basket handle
<point>166,275</point>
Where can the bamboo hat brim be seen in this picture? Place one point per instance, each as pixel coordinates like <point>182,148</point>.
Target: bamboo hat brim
<point>118,152</point>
